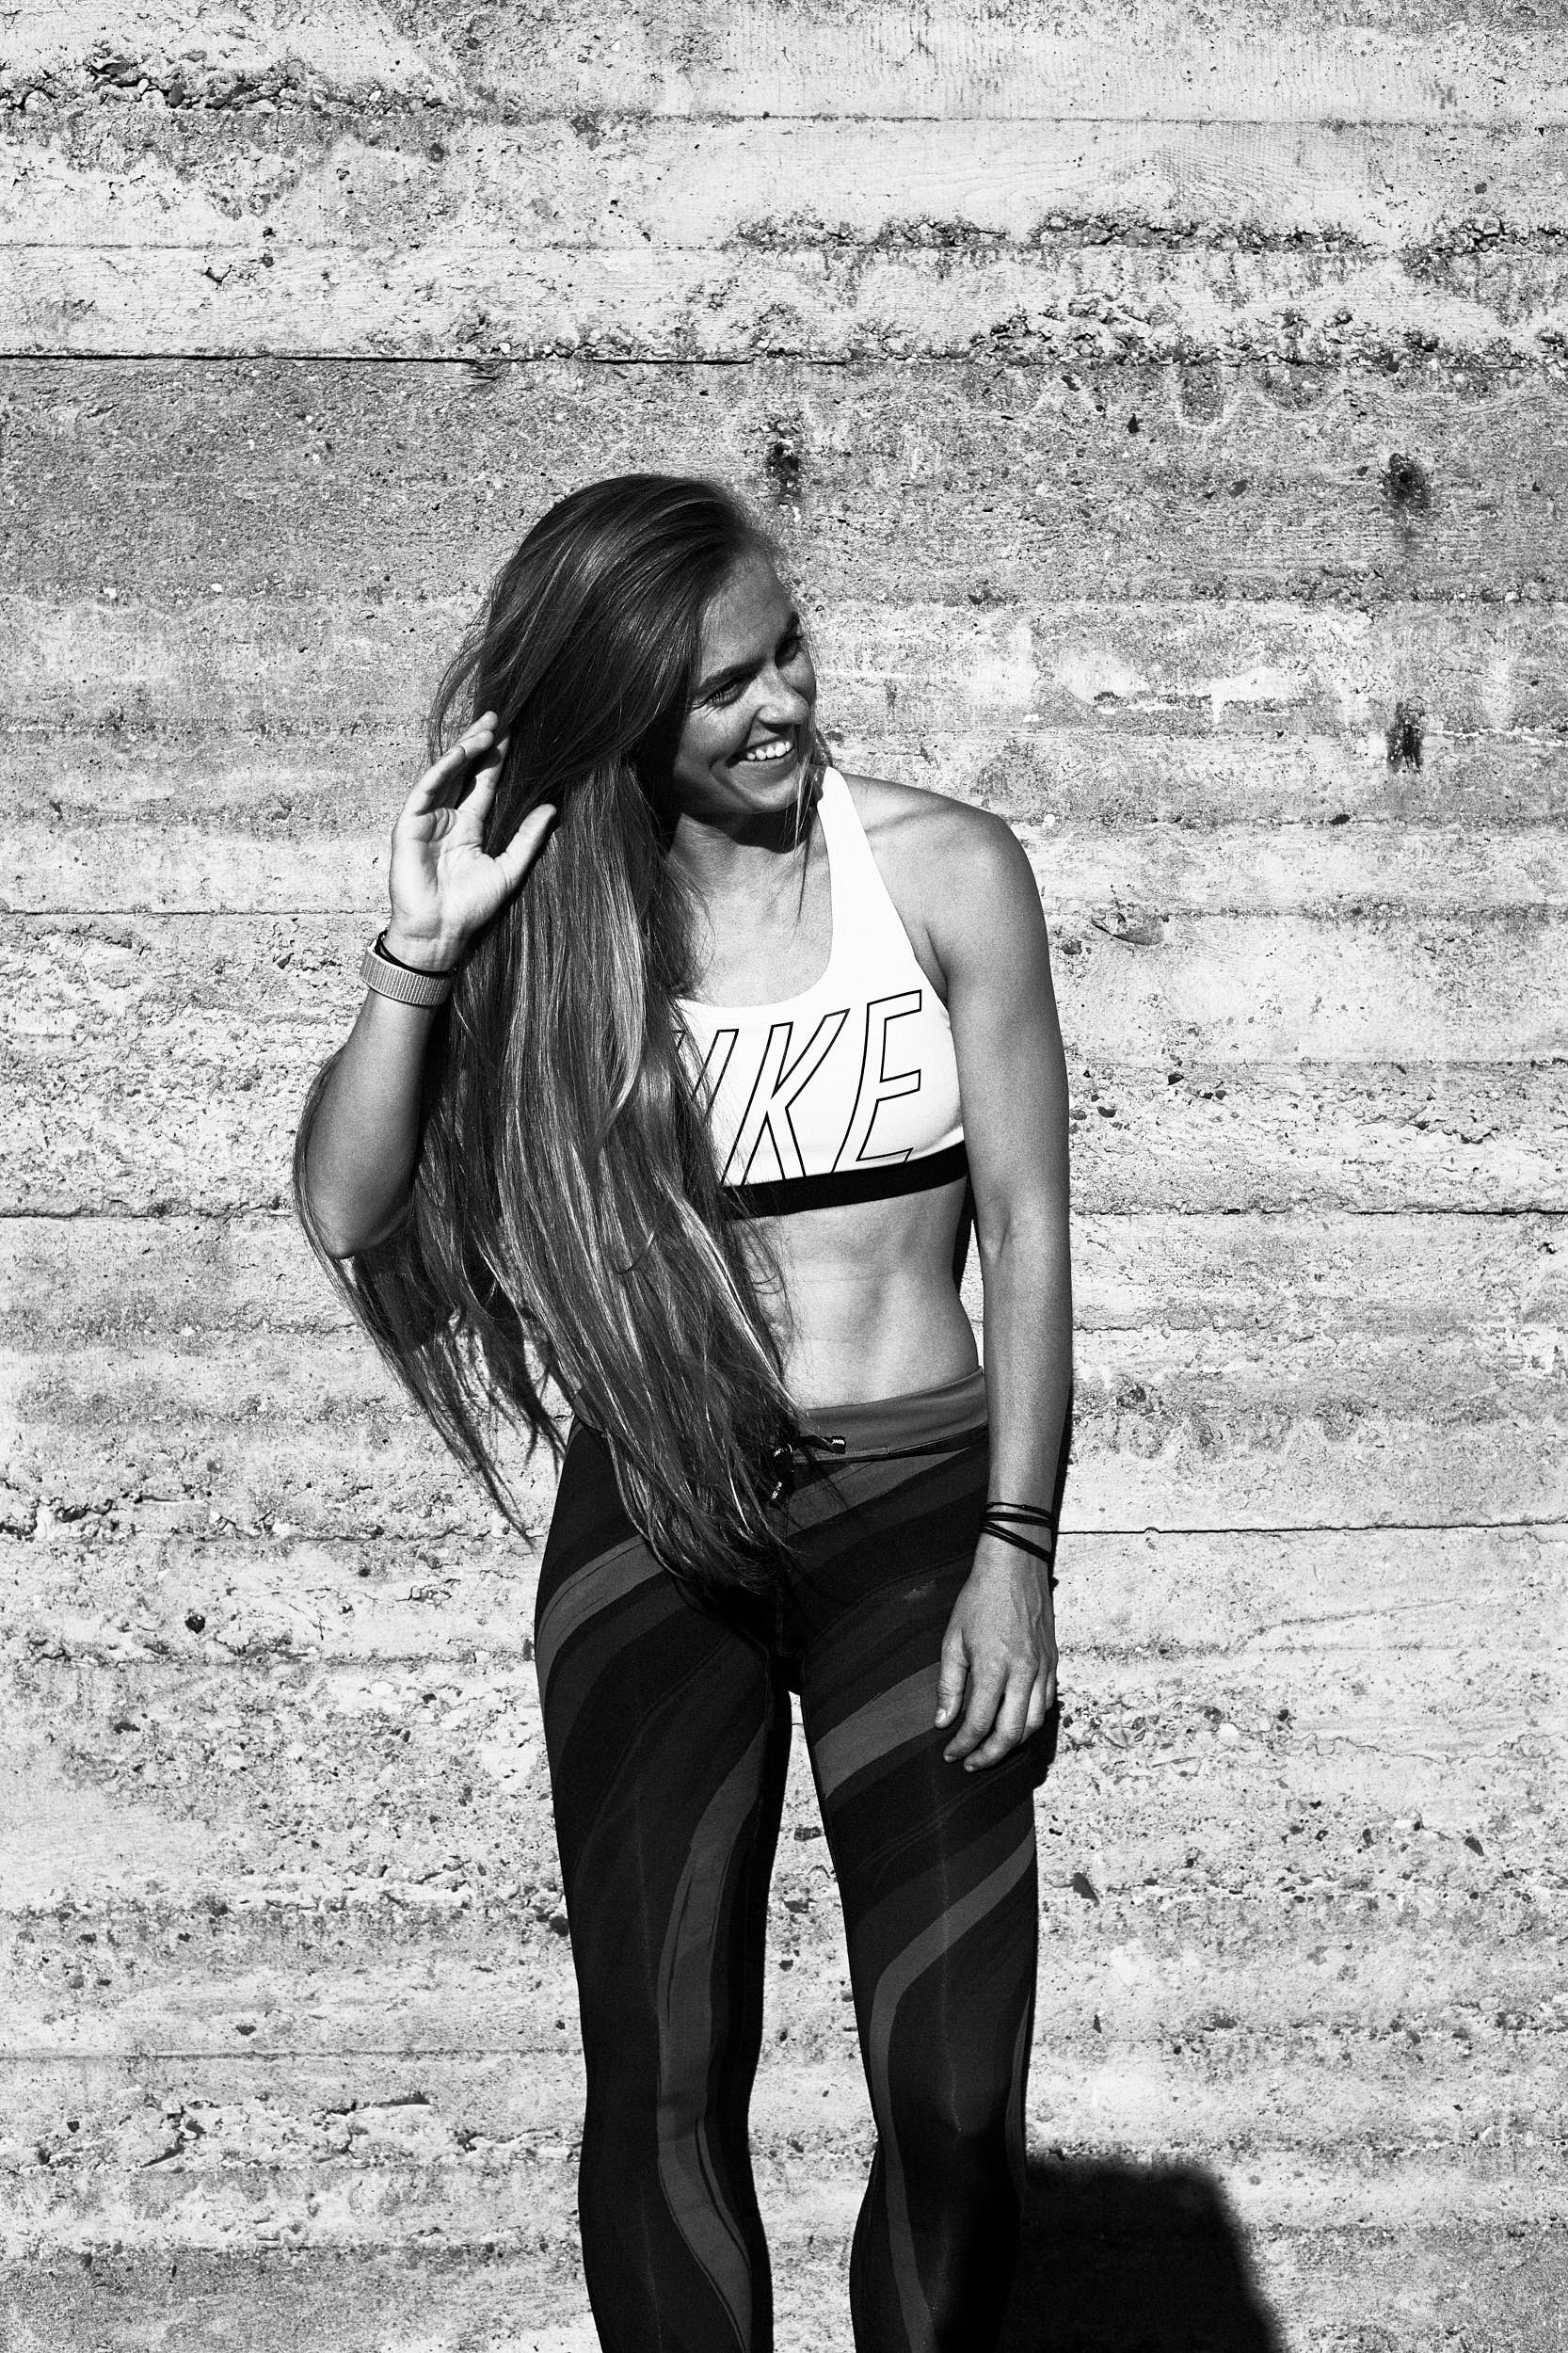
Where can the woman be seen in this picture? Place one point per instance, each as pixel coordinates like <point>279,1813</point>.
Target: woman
<point>691,1128</point>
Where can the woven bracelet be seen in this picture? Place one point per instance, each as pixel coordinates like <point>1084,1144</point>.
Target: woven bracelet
<point>407,984</point>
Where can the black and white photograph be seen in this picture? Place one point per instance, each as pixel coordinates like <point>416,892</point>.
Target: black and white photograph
<point>783,1536</point>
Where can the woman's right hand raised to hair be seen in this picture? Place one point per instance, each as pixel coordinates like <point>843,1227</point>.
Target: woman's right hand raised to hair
<point>444,887</point>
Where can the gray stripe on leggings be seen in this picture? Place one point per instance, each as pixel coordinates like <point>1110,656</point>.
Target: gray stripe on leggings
<point>1017,2145</point>
<point>585,1591</point>
<point>894,1982</point>
<point>685,2012</point>
<point>896,1717</point>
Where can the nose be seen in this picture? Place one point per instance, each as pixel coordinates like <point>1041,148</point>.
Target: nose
<point>779,702</point>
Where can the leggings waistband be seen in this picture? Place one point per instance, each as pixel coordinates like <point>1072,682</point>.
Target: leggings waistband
<point>869,1425</point>
<point>916,1418</point>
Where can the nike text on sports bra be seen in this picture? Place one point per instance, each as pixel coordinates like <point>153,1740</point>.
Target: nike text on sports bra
<point>849,1091</point>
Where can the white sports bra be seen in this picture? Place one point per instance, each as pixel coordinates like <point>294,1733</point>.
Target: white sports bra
<point>850,1090</point>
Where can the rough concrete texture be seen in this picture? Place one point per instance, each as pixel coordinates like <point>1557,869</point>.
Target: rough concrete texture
<point>1164,410</point>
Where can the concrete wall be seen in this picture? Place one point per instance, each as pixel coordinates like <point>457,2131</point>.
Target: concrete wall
<point>1167,406</point>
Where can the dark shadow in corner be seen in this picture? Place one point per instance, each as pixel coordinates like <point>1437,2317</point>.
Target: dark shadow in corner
<point>1132,2259</point>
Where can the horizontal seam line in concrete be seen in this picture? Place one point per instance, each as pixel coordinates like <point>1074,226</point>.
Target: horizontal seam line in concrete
<point>652,119</point>
<point>257,1215</point>
<point>346,2052</point>
<point>321,356</point>
<point>1296,1528</point>
<point>1078,1535</point>
<point>1329,241</point>
<point>1448,910</point>
<point>1451,910</point>
<point>354,2051</point>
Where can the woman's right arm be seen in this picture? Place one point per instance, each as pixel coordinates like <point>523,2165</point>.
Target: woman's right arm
<point>364,1141</point>
<point>360,1156</point>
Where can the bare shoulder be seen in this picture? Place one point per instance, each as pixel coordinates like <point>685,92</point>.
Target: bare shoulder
<point>934,852</point>
<point>909,826</point>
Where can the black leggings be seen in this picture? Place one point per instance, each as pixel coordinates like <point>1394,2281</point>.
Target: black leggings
<point>667,1724</point>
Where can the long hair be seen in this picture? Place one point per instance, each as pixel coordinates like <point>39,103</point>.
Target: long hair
<point>566,1223</point>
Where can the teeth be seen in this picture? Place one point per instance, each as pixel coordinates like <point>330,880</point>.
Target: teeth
<point>766,751</point>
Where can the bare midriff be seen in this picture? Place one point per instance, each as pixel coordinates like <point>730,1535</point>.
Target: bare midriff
<point>871,1298</point>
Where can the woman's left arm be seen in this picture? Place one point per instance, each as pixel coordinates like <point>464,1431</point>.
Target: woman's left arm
<point>998,1656</point>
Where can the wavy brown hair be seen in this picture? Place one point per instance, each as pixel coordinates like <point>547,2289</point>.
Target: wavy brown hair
<point>566,1223</point>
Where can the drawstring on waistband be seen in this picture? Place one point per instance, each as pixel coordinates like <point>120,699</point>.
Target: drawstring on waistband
<point>780,1459</point>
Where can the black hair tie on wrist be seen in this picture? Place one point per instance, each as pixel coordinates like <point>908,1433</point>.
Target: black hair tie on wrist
<point>1027,1515</point>
<point>425,972</point>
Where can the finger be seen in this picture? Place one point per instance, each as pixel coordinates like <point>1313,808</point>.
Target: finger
<point>473,740</point>
<point>1039,1703</point>
<point>525,844</point>
<point>1008,1729</point>
<point>438,781</point>
<point>487,775</point>
<point>950,1680</point>
<point>984,1698</point>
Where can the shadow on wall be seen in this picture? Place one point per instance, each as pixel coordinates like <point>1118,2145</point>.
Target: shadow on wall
<point>1132,2259</point>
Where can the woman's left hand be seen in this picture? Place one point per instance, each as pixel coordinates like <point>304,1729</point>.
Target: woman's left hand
<point>999,1653</point>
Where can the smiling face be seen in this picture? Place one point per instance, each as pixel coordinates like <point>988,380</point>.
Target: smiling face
<point>756,691</point>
